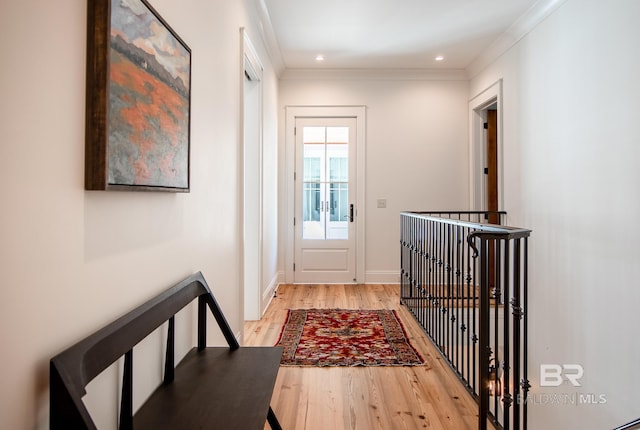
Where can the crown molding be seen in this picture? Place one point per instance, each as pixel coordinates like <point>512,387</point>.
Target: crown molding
<point>269,36</point>
<point>376,74</point>
<point>527,22</point>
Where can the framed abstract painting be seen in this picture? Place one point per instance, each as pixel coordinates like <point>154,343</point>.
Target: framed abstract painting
<point>138,100</point>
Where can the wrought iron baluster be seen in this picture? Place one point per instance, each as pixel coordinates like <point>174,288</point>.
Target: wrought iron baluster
<point>524,383</point>
<point>126,401</point>
<point>517,321</point>
<point>506,364</point>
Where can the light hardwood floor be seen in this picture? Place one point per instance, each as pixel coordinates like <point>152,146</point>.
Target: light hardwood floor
<point>366,398</point>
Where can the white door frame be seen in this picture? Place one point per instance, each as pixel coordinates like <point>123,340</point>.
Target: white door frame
<point>251,182</point>
<point>357,112</point>
<point>478,150</point>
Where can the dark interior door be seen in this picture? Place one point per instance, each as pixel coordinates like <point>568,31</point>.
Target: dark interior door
<point>492,165</point>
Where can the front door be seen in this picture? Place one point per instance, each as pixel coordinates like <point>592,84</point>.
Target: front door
<point>325,197</point>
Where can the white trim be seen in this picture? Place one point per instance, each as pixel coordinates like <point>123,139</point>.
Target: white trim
<point>527,22</point>
<point>269,36</point>
<point>269,292</point>
<point>477,152</point>
<point>376,74</point>
<point>253,68</point>
<point>252,64</point>
<point>293,112</point>
<point>382,277</point>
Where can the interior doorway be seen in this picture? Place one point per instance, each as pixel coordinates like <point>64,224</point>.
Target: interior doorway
<point>491,169</point>
<point>485,150</point>
<point>485,113</point>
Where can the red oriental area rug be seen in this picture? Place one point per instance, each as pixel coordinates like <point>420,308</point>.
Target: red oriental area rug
<point>338,337</point>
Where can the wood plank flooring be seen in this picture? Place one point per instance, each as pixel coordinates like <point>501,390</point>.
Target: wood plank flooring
<point>367,398</point>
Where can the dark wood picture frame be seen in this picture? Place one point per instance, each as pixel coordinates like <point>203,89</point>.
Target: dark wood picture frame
<point>138,100</point>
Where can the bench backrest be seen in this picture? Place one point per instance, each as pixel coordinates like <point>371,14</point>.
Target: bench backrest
<point>74,368</point>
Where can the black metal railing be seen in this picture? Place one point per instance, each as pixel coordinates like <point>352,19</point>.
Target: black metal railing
<point>480,217</point>
<point>635,424</point>
<point>465,281</point>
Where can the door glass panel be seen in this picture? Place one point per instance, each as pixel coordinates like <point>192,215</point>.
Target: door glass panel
<point>338,202</point>
<point>337,134</point>
<point>338,223</point>
<point>314,134</point>
<point>325,199</point>
<point>312,227</point>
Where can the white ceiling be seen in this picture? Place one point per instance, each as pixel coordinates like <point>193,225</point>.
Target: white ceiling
<point>389,34</point>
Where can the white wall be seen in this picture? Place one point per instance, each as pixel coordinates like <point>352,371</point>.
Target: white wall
<point>416,148</point>
<point>73,260</point>
<point>571,147</point>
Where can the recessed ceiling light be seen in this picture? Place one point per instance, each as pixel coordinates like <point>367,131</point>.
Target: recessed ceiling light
<point>439,58</point>
<point>319,57</point>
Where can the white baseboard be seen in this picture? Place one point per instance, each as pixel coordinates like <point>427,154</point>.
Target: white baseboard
<point>371,277</point>
<point>269,293</point>
<point>382,277</point>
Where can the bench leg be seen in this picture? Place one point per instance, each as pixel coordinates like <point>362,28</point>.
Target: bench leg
<point>272,420</point>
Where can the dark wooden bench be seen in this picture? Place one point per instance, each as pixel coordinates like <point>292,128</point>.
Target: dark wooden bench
<point>211,388</point>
